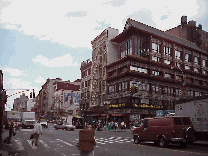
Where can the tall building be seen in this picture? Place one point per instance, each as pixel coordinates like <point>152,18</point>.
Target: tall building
<point>142,70</point>
<point>153,69</point>
<point>189,31</point>
<point>20,104</point>
<point>66,97</point>
<point>86,87</point>
<point>102,54</point>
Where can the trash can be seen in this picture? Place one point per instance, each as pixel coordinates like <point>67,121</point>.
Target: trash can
<point>109,127</point>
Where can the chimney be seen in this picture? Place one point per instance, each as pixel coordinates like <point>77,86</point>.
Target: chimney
<point>200,27</point>
<point>183,20</point>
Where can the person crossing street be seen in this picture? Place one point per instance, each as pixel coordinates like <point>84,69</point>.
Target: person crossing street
<point>37,131</point>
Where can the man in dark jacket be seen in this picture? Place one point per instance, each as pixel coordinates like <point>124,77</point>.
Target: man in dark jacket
<point>11,130</point>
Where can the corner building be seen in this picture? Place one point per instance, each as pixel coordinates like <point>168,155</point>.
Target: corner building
<point>147,70</point>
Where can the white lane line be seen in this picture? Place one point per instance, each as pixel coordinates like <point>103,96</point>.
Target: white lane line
<point>65,142</point>
<point>20,147</point>
<point>44,144</point>
<point>30,143</point>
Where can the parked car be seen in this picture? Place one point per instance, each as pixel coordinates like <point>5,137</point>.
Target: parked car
<point>44,123</point>
<point>64,126</point>
<point>164,130</point>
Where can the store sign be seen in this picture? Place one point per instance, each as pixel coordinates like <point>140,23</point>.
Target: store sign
<point>146,106</point>
<point>117,105</point>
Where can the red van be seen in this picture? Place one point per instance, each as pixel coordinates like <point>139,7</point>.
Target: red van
<point>164,130</point>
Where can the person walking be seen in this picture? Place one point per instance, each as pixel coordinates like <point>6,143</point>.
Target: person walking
<point>11,130</point>
<point>37,131</point>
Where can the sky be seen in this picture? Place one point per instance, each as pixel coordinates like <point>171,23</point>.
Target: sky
<point>41,39</point>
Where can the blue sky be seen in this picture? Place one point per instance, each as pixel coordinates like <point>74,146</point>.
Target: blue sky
<point>42,39</point>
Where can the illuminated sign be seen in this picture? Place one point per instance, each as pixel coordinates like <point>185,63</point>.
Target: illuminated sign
<point>146,106</point>
<point>117,105</point>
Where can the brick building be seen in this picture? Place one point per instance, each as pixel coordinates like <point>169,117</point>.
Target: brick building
<point>153,70</point>
<point>143,69</point>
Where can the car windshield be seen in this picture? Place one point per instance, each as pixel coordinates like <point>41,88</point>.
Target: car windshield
<point>42,120</point>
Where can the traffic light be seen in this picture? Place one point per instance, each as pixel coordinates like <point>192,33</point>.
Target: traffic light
<point>136,89</point>
<point>180,94</point>
<point>30,94</point>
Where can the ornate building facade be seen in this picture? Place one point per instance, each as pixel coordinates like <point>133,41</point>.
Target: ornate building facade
<point>153,70</point>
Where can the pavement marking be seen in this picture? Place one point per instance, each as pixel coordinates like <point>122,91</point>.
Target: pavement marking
<point>30,143</point>
<point>44,144</point>
<point>65,142</point>
<point>20,147</point>
<point>26,130</point>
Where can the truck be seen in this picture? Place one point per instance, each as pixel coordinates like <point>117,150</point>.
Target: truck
<point>14,116</point>
<point>197,111</point>
<point>28,119</point>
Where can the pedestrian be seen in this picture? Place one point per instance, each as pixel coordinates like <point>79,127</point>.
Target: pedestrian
<point>11,130</point>
<point>37,131</point>
<point>86,141</point>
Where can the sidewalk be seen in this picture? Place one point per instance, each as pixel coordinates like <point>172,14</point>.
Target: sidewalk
<point>8,149</point>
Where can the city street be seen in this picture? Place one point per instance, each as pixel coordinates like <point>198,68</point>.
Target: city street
<point>108,143</point>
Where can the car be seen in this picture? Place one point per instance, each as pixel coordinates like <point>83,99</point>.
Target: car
<point>44,123</point>
<point>64,126</point>
<point>165,130</point>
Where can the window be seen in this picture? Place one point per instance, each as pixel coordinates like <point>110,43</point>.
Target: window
<point>154,72</point>
<point>186,121</point>
<point>196,93</point>
<point>204,63</point>
<point>156,89</point>
<point>196,60</point>
<point>187,67</point>
<point>177,64</point>
<point>196,69</point>
<point>167,51</point>
<point>112,89</point>
<point>177,121</point>
<point>205,72</point>
<point>190,93</point>
<point>141,48</point>
<point>198,82</point>
<point>126,48</point>
<point>167,62</point>
<point>168,75</point>
<point>142,70</point>
<point>122,86</point>
<point>155,47</point>
<point>177,54</point>
<point>187,58</point>
<point>156,59</point>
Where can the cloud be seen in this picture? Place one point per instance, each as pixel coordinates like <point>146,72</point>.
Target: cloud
<point>102,25</point>
<point>77,14</point>
<point>39,80</point>
<point>163,17</point>
<point>74,25</point>
<point>61,61</point>
<point>13,72</point>
<point>17,83</point>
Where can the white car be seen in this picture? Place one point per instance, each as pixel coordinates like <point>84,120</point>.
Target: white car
<point>43,123</point>
<point>64,126</point>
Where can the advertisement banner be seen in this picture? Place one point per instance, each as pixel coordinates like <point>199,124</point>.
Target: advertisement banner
<point>71,100</point>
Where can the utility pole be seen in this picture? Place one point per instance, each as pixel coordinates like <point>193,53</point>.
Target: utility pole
<point>3,100</point>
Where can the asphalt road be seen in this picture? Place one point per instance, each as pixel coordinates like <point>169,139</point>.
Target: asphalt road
<point>63,143</point>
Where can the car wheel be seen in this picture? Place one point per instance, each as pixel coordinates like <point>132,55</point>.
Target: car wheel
<point>136,140</point>
<point>162,142</point>
<point>56,128</point>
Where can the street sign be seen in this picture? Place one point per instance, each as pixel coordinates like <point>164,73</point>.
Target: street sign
<point>159,113</point>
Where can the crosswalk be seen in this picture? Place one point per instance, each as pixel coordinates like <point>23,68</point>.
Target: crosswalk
<point>99,142</point>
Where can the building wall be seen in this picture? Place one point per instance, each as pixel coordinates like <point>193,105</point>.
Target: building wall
<point>100,57</point>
